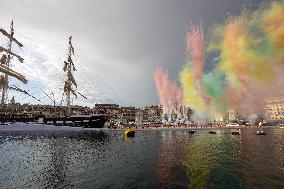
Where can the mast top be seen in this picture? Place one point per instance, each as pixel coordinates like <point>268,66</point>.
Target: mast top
<point>12,27</point>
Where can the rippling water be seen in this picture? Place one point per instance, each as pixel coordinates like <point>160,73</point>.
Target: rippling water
<point>153,159</point>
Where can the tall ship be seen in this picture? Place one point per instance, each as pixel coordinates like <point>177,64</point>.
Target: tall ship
<point>69,90</point>
<point>66,115</point>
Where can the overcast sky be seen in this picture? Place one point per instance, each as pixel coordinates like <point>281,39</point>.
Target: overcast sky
<point>118,43</point>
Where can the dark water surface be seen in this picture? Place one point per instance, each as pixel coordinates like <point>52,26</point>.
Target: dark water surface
<point>153,159</point>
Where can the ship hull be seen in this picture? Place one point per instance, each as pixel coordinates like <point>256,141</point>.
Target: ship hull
<point>78,121</point>
<point>87,121</point>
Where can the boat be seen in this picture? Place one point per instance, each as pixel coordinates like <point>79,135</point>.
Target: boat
<point>212,132</point>
<point>261,132</point>
<point>70,88</point>
<point>191,131</point>
<point>129,132</point>
<point>237,132</point>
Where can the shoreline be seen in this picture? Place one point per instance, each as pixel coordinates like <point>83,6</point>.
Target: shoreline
<point>25,127</point>
<point>160,128</point>
<point>37,127</point>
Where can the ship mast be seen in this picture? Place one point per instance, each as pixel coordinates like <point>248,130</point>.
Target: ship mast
<point>69,68</point>
<point>5,65</point>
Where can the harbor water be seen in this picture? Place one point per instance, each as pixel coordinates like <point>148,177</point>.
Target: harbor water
<point>152,159</point>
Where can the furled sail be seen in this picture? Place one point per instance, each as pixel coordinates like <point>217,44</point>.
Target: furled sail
<point>12,73</point>
<point>2,80</point>
<point>71,78</point>
<point>3,59</point>
<point>11,37</point>
<point>13,54</point>
<point>71,63</point>
<point>67,87</point>
<point>65,66</point>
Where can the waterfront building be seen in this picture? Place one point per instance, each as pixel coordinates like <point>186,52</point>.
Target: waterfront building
<point>139,116</point>
<point>274,108</point>
<point>128,115</point>
<point>113,110</point>
<point>152,114</point>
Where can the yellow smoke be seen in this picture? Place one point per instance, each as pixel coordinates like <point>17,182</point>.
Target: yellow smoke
<point>191,95</point>
<point>272,23</point>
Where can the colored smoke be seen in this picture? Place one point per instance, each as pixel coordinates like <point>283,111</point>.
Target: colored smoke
<point>251,51</point>
<point>171,96</point>
<point>248,67</point>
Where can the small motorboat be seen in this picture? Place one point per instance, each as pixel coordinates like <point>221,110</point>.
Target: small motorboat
<point>191,131</point>
<point>129,132</point>
<point>260,132</point>
<point>212,132</point>
<point>237,132</point>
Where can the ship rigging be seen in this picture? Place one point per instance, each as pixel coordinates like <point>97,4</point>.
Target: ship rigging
<point>5,66</point>
<point>69,68</point>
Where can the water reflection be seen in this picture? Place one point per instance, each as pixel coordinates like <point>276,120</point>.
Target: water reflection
<point>152,159</point>
<point>227,161</point>
<point>169,170</point>
<point>43,160</point>
<point>55,173</point>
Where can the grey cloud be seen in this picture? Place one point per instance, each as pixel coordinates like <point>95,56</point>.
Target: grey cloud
<point>123,40</point>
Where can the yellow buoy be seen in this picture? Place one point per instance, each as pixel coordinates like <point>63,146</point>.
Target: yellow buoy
<point>129,132</point>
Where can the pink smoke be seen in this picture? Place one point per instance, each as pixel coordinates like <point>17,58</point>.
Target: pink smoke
<point>170,94</point>
<point>195,46</point>
<point>195,49</point>
<point>160,77</point>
